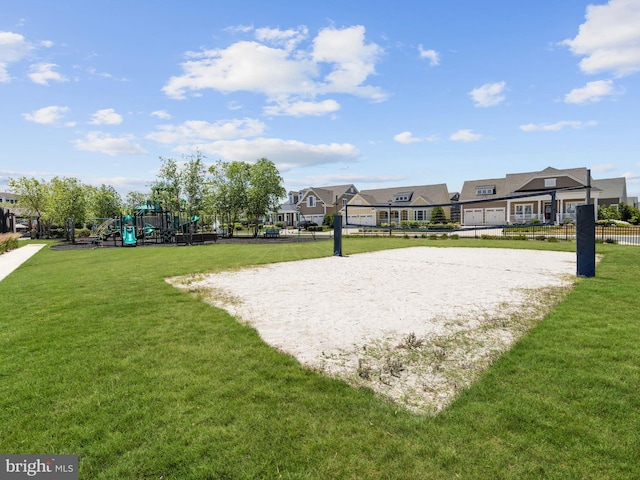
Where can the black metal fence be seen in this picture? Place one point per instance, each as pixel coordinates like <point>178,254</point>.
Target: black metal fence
<point>629,235</point>
<point>624,235</point>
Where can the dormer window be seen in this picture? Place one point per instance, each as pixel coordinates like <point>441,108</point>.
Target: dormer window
<point>486,190</point>
<point>402,197</point>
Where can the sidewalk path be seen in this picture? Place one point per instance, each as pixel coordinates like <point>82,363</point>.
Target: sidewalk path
<point>13,259</point>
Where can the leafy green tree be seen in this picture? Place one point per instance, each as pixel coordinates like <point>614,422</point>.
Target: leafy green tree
<point>166,188</point>
<point>227,191</point>
<point>33,197</point>
<point>67,201</point>
<point>134,200</point>
<point>192,179</point>
<point>104,201</point>
<point>264,192</point>
<point>438,215</point>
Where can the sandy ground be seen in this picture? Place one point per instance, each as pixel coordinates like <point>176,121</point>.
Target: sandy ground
<point>417,325</point>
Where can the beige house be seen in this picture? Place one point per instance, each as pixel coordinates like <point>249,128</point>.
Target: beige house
<point>395,205</point>
<point>549,196</point>
<point>312,204</point>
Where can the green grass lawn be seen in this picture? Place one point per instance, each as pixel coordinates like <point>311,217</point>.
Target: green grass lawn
<point>101,358</point>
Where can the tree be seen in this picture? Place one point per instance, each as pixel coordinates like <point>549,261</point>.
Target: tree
<point>67,201</point>
<point>104,201</point>
<point>166,188</point>
<point>227,191</point>
<point>33,196</point>
<point>192,179</point>
<point>264,192</point>
<point>438,215</point>
<point>133,201</point>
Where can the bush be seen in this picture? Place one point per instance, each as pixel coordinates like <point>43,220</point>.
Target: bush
<point>83,232</point>
<point>438,215</point>
<point>8,241</point>
<point>327,220</point>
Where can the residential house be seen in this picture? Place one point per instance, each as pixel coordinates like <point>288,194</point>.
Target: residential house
<point>312,204</point>
<point>8,198</point>
<point>394,205</point>
<point>550,196</point>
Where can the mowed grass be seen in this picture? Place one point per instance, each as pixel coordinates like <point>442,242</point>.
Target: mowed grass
<point>100,357</point>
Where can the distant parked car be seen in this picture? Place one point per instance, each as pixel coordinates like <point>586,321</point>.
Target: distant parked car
<point>305,224</point>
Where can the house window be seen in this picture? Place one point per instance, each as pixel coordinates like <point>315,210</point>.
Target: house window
<point>344,202</point>
<point>549,182</point>
<point>311,201</point>
<point>570,207</point>
<point>486,190</point>
<point>420,215</point>
<point>524,212</point>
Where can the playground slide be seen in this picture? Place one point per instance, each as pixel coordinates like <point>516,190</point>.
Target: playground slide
<point>129,236</point>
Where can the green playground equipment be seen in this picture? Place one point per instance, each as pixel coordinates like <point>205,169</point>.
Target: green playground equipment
<point>150,224</point>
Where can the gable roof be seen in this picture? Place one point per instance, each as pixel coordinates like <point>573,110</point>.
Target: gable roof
<point>327,195</point>
<point>432,194</point>
<point>514,183</point>
<point>613,188</point>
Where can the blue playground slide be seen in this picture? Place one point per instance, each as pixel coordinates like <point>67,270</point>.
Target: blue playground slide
<point>129,232</point>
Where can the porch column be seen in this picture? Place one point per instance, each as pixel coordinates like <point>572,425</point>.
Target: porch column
<point>540,210</point>
<point>508,211</point>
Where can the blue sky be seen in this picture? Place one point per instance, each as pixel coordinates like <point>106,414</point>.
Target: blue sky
<point>377,93</point>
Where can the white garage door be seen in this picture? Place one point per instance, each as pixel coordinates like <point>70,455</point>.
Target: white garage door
<point>361,220</point>
<point>473,216</point>
<point>494,216</point>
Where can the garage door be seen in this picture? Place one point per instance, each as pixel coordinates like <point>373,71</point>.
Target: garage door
<point>494,216</point>
<point>361,220</point>
<point>473,216</point>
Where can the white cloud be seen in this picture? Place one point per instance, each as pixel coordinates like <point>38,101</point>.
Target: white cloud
<point>609,39</point>
<point>353,61</point>
<point>51,115</point>
<point>284,72</point>
<point>197,131</point>
<point>299,109</point>
<point>603,167</point>
<point>406,137</point>
<point>43,73</point>
<point>161,114</point>
<point>488,95</point>
<point>104,143</point>
<point>431,55</point>
<point>47,43</point>
<point>13,48</point>
<point>248,66</point>
<point>592,92</point>
<point>107,116</point>
<point>285,38</point>
<point>555,127</point>
<point>286,154</point>
<point>466,135</point>
<point>239,29</point>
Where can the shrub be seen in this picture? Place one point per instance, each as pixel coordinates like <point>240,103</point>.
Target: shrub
<point>438,215</point>
<point>8,241</point>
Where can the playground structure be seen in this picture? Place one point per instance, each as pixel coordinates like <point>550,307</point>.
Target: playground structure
<point>149,225</point>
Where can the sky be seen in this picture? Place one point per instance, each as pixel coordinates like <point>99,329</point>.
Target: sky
<point>374,93</point>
